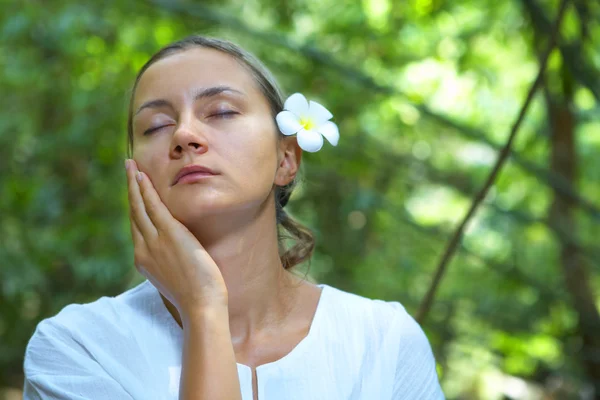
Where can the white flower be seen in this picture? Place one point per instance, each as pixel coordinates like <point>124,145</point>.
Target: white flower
<point>309,120</point>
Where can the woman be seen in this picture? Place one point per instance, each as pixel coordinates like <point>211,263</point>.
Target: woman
<point>221,315</point>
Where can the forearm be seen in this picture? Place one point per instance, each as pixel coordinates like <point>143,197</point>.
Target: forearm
<point>209,369</point>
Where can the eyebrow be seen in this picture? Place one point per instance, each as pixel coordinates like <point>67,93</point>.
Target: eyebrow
<point>204,93</point>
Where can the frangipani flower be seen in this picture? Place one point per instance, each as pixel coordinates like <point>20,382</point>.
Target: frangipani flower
<point>309,120</point>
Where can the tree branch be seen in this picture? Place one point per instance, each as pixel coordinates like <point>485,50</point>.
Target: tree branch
<point>571,53</point>
<point>510,272</point>
<point>447,256</point>
<point>456,181</point>
<point>400,214</point>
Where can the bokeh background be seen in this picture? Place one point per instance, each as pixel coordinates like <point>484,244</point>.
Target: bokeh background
<point>424,92</point>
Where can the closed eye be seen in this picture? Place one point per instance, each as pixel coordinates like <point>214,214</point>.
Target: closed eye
<point>221,115</point>
<point>224,114</point>
<point>150,130</point>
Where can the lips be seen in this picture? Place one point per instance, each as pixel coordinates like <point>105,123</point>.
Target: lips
<point>191,169</point>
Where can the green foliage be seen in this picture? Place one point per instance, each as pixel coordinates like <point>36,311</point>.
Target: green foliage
<point>424,92</point>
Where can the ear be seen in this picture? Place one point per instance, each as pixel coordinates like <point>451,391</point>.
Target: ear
<point>289,156</point>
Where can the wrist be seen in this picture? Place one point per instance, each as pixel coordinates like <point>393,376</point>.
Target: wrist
<point>204,298</point>
<point>202,314</point>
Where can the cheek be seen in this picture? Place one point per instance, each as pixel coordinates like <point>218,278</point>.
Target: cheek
<point>254,152</point>
<point>150,161</point>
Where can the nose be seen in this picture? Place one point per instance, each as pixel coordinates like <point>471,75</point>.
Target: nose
<point>188,138</point>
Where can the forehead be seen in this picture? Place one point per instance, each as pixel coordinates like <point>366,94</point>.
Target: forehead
<point>183,72</point>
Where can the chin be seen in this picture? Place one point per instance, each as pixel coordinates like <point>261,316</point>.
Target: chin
<point>191,207</point>
<point>195,209</point>
<point>198,207</point>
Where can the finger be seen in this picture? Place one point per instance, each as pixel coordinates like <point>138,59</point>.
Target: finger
<point>140,249</point>
<point>136,234</point>
<point>157,211</point>
<point>137,206</point>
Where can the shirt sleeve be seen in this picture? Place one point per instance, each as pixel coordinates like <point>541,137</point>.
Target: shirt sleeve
<point>57,366</point>
<point>416,376</point>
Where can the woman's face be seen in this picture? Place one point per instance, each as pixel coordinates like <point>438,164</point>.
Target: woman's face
<point>200,106</point>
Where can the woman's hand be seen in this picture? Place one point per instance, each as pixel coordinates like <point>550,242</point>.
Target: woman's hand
<point>167,253</point>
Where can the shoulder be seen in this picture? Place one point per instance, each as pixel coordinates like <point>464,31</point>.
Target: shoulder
<point>379,322</point>
<point>381,315</point>
<point>112,308</point>
<point>374,322</point>
<point>384,336</point>
<point>390,322</point>
<point>68,332</point>
<point>70,355</point>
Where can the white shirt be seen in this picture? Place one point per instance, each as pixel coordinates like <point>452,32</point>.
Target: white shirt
<point>130,347</point>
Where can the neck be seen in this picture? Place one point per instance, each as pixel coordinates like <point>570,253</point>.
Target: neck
<point>245,248</point>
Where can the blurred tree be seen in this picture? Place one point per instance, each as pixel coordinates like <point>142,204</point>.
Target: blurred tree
<point>424,92</point>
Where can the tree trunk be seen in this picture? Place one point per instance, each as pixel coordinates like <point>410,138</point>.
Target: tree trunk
<point>563,161</point>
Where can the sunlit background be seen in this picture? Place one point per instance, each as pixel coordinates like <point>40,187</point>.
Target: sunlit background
<point>424,92</point>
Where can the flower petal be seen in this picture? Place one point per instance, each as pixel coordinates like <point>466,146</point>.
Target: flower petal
<point>310,141</point>
<point>297,104</point>
<point>288,122</point>
<point>318,113</point>
<point>331,132</point>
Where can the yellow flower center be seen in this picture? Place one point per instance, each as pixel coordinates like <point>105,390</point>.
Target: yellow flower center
<point>307,123</point>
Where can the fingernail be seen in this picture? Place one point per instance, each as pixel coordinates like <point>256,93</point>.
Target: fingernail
<point>126,164</point>
<point>138,175</point>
